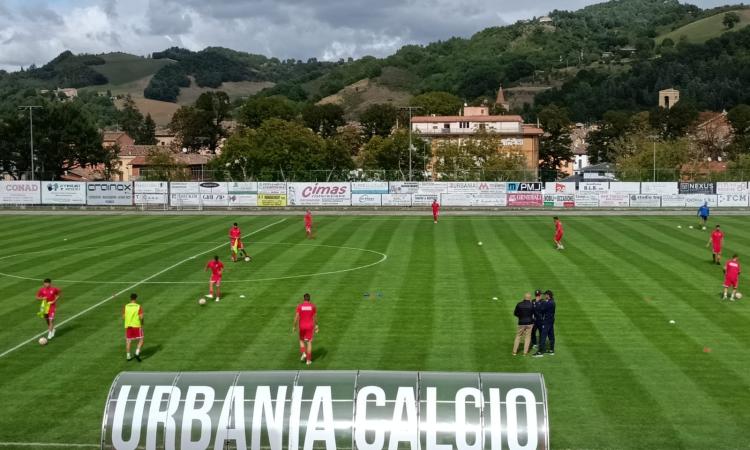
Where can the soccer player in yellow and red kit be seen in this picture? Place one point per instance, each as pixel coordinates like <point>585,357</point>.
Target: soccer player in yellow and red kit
<point>731,276</point>
<point>716,240</point>
<point>306,320</point>
<point>558,233</point>
<point>217,269</point>
<point>48,295</point>
<point>435,210</point>
<point>235,242</point>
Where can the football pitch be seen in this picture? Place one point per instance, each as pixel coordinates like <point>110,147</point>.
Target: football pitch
<point>393,293</point>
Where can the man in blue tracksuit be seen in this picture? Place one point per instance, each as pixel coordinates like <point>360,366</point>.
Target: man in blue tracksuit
<point>548,325</point>
<point>537,322</point>
<point>703,214</point>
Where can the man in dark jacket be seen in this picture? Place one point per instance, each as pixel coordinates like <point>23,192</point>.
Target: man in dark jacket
<point>525,313</point>
<point>536,301</point>
<point>548,326</point>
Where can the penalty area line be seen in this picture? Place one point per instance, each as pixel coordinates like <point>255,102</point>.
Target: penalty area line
<point>134,285</point>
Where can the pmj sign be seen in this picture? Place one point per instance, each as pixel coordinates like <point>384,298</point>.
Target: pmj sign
<point>326,410</point>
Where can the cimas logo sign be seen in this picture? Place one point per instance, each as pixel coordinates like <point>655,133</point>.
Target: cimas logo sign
<point>287,410</point>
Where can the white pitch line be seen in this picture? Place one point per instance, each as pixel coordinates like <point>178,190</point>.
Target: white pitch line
<point>122,291</point>
<point>47,444</point>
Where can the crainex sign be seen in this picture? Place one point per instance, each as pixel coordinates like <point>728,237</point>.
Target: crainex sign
<point>326,410</point>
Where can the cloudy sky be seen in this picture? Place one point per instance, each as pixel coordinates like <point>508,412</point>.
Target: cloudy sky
<point>35,31</point>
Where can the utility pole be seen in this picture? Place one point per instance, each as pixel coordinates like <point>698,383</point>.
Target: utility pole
<point>410,109</point>
<point>31,133</point>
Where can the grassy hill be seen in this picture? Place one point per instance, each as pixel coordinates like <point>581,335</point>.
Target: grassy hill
<point>123,68</point>
<point>707,28</point>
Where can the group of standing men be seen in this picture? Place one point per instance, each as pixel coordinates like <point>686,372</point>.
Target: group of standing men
<point>536,323</point>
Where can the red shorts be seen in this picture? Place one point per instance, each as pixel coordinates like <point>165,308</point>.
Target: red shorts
<point>717,250</point>
<point>240,245</point>
<point>216,279</point>
<point>558,237</point>
<point>133,333</point>
<point>306,334</point>
<point>731,282</point>
<point>51,313</point>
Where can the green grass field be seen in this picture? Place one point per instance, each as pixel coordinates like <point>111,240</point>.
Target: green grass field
<point>702,30</point>
<point>123,68</point>
<point>623,377</point>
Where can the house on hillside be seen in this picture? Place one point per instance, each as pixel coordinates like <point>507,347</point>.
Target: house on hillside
<point>166,138</point>
<point>596,172</point>
<point>112,138</point>
<point>476,121</point>
<point>195,164</point>
<point>713,133</point>
<point>126,156</point>
<point>546,20</point>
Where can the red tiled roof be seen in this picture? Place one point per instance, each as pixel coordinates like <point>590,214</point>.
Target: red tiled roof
<point>136,150</point>
<point>440,119</point>
<point>189,159</point>
<point>531,129</point>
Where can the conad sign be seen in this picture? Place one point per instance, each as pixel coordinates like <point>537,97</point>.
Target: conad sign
<point>330,410</point>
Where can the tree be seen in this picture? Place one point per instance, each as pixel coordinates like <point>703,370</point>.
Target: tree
<point>164,166</point>
<point>257,109</point>
<point>555,147</point>
<point>675,122</point>
<point>324,119</point>
<point>351,138</point>
<point>614,126</point>
<point>731,19</point>
<point>378,120</point>
<point>635,159</point>
<point>392,153</point>
<point>438,103</point>
<point>130,119</point>
<point>739,118</point>
<point>147,134</point>
<point>482,158</point>
<point>192,126</point>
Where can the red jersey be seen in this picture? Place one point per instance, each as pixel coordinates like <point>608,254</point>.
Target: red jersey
<point>49,293</point>
<point>308,219</point>
<point>235,233</point>
<point>716,237</point>
<point>306,311</point>
<point>435,207</point>
<point>216,267</point>
<point>558,227</point>
<point>732,268</point>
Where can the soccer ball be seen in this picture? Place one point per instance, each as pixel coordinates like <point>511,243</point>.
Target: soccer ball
<point>42,340</point>
<point>704,228</point>
<point>737,295</point>
<point>691,227</point>
<point>479,243</point>
<point>247,259</point>
<point>202,301</point>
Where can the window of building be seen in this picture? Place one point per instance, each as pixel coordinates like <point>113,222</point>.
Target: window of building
<point>446,125</point>
<point>463,124</point>
<point>482,126</point>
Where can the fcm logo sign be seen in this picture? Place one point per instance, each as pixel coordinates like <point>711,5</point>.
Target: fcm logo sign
<point>288,410</point>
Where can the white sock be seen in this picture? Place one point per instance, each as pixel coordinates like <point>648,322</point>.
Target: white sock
<point>128,355</point>
<point>137,351</point>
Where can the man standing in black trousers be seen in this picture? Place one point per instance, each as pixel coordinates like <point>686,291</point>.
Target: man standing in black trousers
<point>537,300</point>
<point>548,326</point>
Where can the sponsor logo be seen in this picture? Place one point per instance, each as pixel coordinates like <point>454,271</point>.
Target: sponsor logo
<point>367,199</point>
<point>21,187</point>
<point>109,187</point>
<point>525,187</point>
<point>209,185</point>
<point>318,190</point>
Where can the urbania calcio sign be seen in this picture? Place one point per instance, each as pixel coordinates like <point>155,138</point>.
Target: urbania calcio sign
<point>326,410</point>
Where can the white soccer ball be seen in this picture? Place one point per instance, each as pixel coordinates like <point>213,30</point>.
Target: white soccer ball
<point>737,295</point>
<point>494,298</point>
<point>479,243</point>
<point>247,259</point>
<point>691,227</point>
<point>704,228</point>
<point>202,301</point>
<point>679,226</point>
<point>672,322</point>
<point>42,340</point>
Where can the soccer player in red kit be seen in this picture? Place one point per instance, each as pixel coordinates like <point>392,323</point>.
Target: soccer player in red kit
<point>48,295</point>
<point>731,276</point>
<point>235,242</point>
<point>308,224</point>
<point>306,320</point>
<point>217,268</point>
<point>717,238</point>
<point>558,233</point>
<point>435,210</point>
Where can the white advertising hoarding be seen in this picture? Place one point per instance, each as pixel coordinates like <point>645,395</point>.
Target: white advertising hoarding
<point>673,201</point>
<point>659,187</point>
<point>366,199</point>
<point>614,200</point>
<point>151,192</point>
<point>432,188</point>
<point>587,199</point>
<point>20,193</point>
<point>557,187</point>
<point>370,187</point>
<point>63,193</point>
<point>737,199</point>
<point>396,199</point>
<point>424,199</point>
<point>697,200</point>
<point>645,201</point>
<point>593,186</point>
<point>109,193</point>
<point>319,194</point>
<point>242,193</point>
<point>403,187</point>
<point>731,187</point>
<point>625,187</point>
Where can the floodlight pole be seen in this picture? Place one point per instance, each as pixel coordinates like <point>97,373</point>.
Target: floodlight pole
<point>410,109</point>
<point>31,133</point>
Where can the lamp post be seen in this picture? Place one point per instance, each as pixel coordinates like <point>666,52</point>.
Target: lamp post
<point>410,109</point>
<point>31,133</point>
<point>653,140</point>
